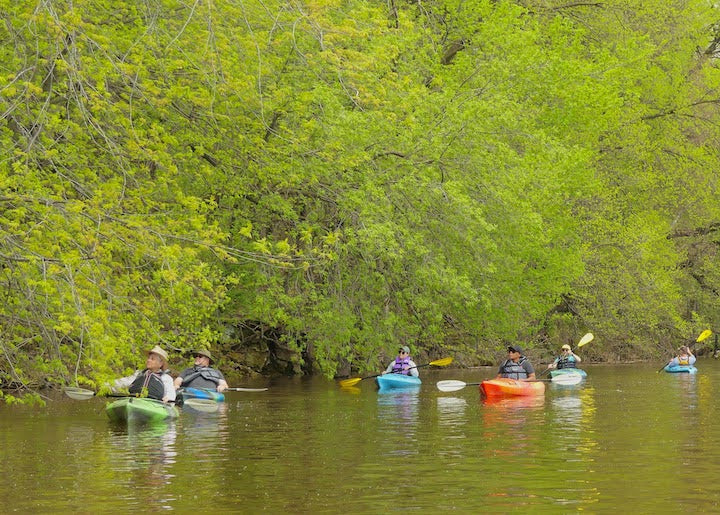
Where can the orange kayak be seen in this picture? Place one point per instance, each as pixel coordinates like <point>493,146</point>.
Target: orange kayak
<point>511,387</point>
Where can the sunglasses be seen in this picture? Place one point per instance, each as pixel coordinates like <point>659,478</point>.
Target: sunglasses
<point>402,352</point>
<point>199,356</point>
<point>566,350</point>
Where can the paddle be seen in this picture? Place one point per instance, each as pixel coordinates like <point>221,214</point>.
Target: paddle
<point>703,336</point>
<point>452,385</point>
<point>355,380</point>
<point>245,390</point>
<point>82,394</point>
<point>583,341</point>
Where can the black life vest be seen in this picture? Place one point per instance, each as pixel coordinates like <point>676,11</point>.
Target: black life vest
<point>150,380</point>
<point>202,377</point>
<point>513,370</point>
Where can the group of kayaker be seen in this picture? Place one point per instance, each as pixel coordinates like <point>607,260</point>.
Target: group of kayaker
<point>517,366</point>
<point>156,382</point>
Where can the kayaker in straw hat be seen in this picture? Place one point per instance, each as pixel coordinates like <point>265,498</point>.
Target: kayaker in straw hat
<point>201,374</point>
<point>153,380</point>
<point>516,366</point>
<point>403,364</point>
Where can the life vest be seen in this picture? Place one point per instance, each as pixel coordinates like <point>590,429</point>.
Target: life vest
<point>150,380</point>
<point>566,362</point>
<point>513,370</point>
<point>399,364</point>
<point>683,360</point>
<point>202,377</point>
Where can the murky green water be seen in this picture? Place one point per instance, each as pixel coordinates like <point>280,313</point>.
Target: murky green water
<point>627,439</point>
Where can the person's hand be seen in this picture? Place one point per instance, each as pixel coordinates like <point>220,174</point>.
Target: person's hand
<point>165,399</point>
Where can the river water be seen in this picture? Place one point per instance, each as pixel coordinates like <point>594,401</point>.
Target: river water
<point>626,439</point>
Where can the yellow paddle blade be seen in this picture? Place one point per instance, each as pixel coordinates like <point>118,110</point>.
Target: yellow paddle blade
<point>705,334</point>
<point>585,339</point>
<point>350,382</point>
<point>441,362</point>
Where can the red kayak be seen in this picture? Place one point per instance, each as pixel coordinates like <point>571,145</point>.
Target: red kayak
<point>511,387</point>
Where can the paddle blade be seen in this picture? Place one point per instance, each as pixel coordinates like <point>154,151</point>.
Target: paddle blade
<point>704,335</point>
<point>441,362</point>
<point>451,385</point>
<point>204,405</point>
<point>350,382</point>
<point>585,339</point>
<point>79,394</point>
<point>567,379</point>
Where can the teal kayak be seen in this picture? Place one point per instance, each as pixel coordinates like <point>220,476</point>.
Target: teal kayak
<point>680,369</point>
<point>555,373</point>
<point>134,409</point>
<point>199,393</point>
<point>387,381</point>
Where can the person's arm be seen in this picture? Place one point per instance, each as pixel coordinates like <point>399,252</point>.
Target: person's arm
<point>578,359</point>
<point>124,382</point>
<point>222,385</point>
<point>529,370</point>
<point>389,367</point>
<point>413,369</point>
<point>178,382</point>
<point>692,359</point>
<point>169,388</point>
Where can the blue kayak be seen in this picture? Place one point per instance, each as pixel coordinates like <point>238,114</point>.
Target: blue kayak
<point>555,373</point>
<point>199,393</point>
<point>680,369</point>
<point>387,381</point>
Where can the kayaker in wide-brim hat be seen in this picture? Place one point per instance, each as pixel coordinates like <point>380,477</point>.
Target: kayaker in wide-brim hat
<point>160,352</point>
<point>204,353</point>
<point>201,374</point>
<point>153,381</point>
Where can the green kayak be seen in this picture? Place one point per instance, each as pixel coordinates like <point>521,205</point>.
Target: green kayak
<point>133,409</point>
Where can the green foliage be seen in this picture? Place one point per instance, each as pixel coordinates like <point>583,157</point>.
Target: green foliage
<point>352,175</point>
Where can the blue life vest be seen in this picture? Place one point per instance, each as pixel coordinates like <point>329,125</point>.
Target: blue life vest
<point>513,370</point>
<point>202,377</point>
<point>151,381</point>
<point>566,362</point>
<point>399,364</point>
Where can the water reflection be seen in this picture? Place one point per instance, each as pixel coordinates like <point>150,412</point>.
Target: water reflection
<point>146,453</point>
<point>398,408</point>
<point>451,411</point>
<point>207,433</point>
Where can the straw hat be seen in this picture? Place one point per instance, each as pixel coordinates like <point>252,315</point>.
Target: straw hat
<point>157,350</point>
